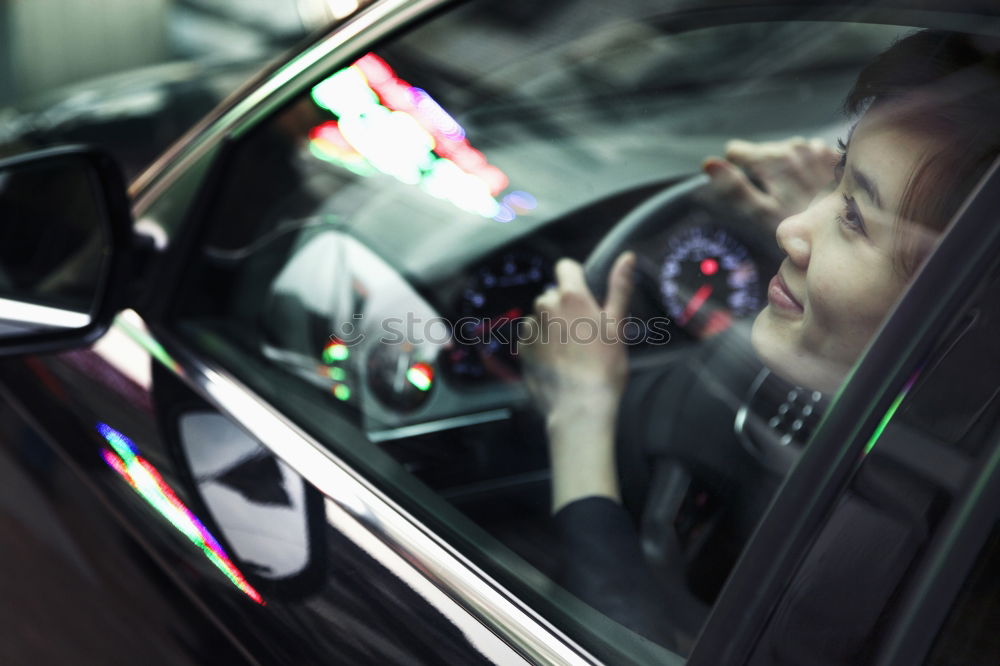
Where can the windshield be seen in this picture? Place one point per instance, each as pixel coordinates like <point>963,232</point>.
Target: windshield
<point>548,125</point>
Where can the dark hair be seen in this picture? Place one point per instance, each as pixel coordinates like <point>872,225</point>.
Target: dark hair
<point>944,85</point>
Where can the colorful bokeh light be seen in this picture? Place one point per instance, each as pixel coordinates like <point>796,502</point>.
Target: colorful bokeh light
<point>328,144</point>
<point>421,375</point>
<point>335,351</point>
<point>341,392</point>
<point>124,459</point>
<point>386,125</point>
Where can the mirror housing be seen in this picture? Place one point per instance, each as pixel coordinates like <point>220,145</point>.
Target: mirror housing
<point>65,245</point>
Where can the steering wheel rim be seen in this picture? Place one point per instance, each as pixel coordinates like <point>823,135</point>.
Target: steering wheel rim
<point>667,204</point>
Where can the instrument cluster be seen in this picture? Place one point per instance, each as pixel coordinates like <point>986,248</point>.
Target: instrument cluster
<point>491,305</point>
<point>706,279</point>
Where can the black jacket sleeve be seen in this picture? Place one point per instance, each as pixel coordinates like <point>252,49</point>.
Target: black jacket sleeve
<point>603,566</point>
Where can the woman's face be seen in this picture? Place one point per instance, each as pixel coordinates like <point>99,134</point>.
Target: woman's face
<point>839,277</point>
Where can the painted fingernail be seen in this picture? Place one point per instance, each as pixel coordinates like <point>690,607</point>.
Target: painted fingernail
<point>712,168</point>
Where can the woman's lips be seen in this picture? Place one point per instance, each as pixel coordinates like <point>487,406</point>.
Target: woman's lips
<point>780,297</point>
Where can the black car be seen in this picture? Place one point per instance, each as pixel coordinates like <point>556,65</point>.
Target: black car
<point>277,413</point>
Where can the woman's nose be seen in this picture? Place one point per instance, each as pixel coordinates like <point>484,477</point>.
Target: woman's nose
<point>793,238</point>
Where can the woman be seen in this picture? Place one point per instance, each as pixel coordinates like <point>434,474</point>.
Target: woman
<point>927,132</point>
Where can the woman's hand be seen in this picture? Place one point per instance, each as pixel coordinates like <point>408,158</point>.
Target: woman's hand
<point>773,179</point>
<point>576,368</point>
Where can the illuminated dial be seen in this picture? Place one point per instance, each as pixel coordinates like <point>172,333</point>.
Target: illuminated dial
<point>492,302</point>
<point>707,279</point>
<point>401,375</point>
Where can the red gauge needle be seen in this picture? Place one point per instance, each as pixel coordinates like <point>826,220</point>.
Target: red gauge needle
<point>717,322</point>
<point>510,315</point>
<point>699,298</point>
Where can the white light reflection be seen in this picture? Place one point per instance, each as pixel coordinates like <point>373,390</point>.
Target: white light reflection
<point>41,315</point>
<point>342,8</point>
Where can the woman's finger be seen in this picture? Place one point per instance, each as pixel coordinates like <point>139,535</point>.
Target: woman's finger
<point>734,184</point>
<point>528,331</point>
<point>620,284</point>
<point>745,153</point>
<point>547,300</point>
<point>570,276</point>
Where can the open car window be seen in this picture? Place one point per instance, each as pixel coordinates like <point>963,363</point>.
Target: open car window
<point>375,243</point>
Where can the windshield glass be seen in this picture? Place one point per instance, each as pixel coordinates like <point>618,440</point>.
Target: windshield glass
<point>543,126</point>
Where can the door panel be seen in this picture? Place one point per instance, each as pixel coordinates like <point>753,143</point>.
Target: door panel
<point>350,609</point>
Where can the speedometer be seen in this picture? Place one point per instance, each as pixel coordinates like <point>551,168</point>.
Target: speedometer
<point>707,279</point>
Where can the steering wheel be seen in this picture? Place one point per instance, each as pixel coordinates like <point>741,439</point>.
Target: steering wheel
<point>696,456</point>
<point>669,204</point>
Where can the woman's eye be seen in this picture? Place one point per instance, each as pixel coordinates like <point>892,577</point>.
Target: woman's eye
<point>841,163</point>
<point>851,218</point>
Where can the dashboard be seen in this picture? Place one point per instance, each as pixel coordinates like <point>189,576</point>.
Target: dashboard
<point>415,357</point>
<point>428,364</point>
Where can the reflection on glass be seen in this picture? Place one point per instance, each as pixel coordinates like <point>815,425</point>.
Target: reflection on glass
<point>386,125</point>
<point>887,417</point>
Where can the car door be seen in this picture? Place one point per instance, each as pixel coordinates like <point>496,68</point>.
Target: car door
<point>339,498</point>
<point>79,585</point>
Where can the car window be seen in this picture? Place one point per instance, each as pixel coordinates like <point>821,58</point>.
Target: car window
<point>372,249</point>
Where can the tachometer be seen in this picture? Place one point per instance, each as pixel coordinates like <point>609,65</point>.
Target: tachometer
<point>707,279</point>
<point>492,302</point>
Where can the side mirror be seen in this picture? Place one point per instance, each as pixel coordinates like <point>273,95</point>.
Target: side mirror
<point>65,234</point>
